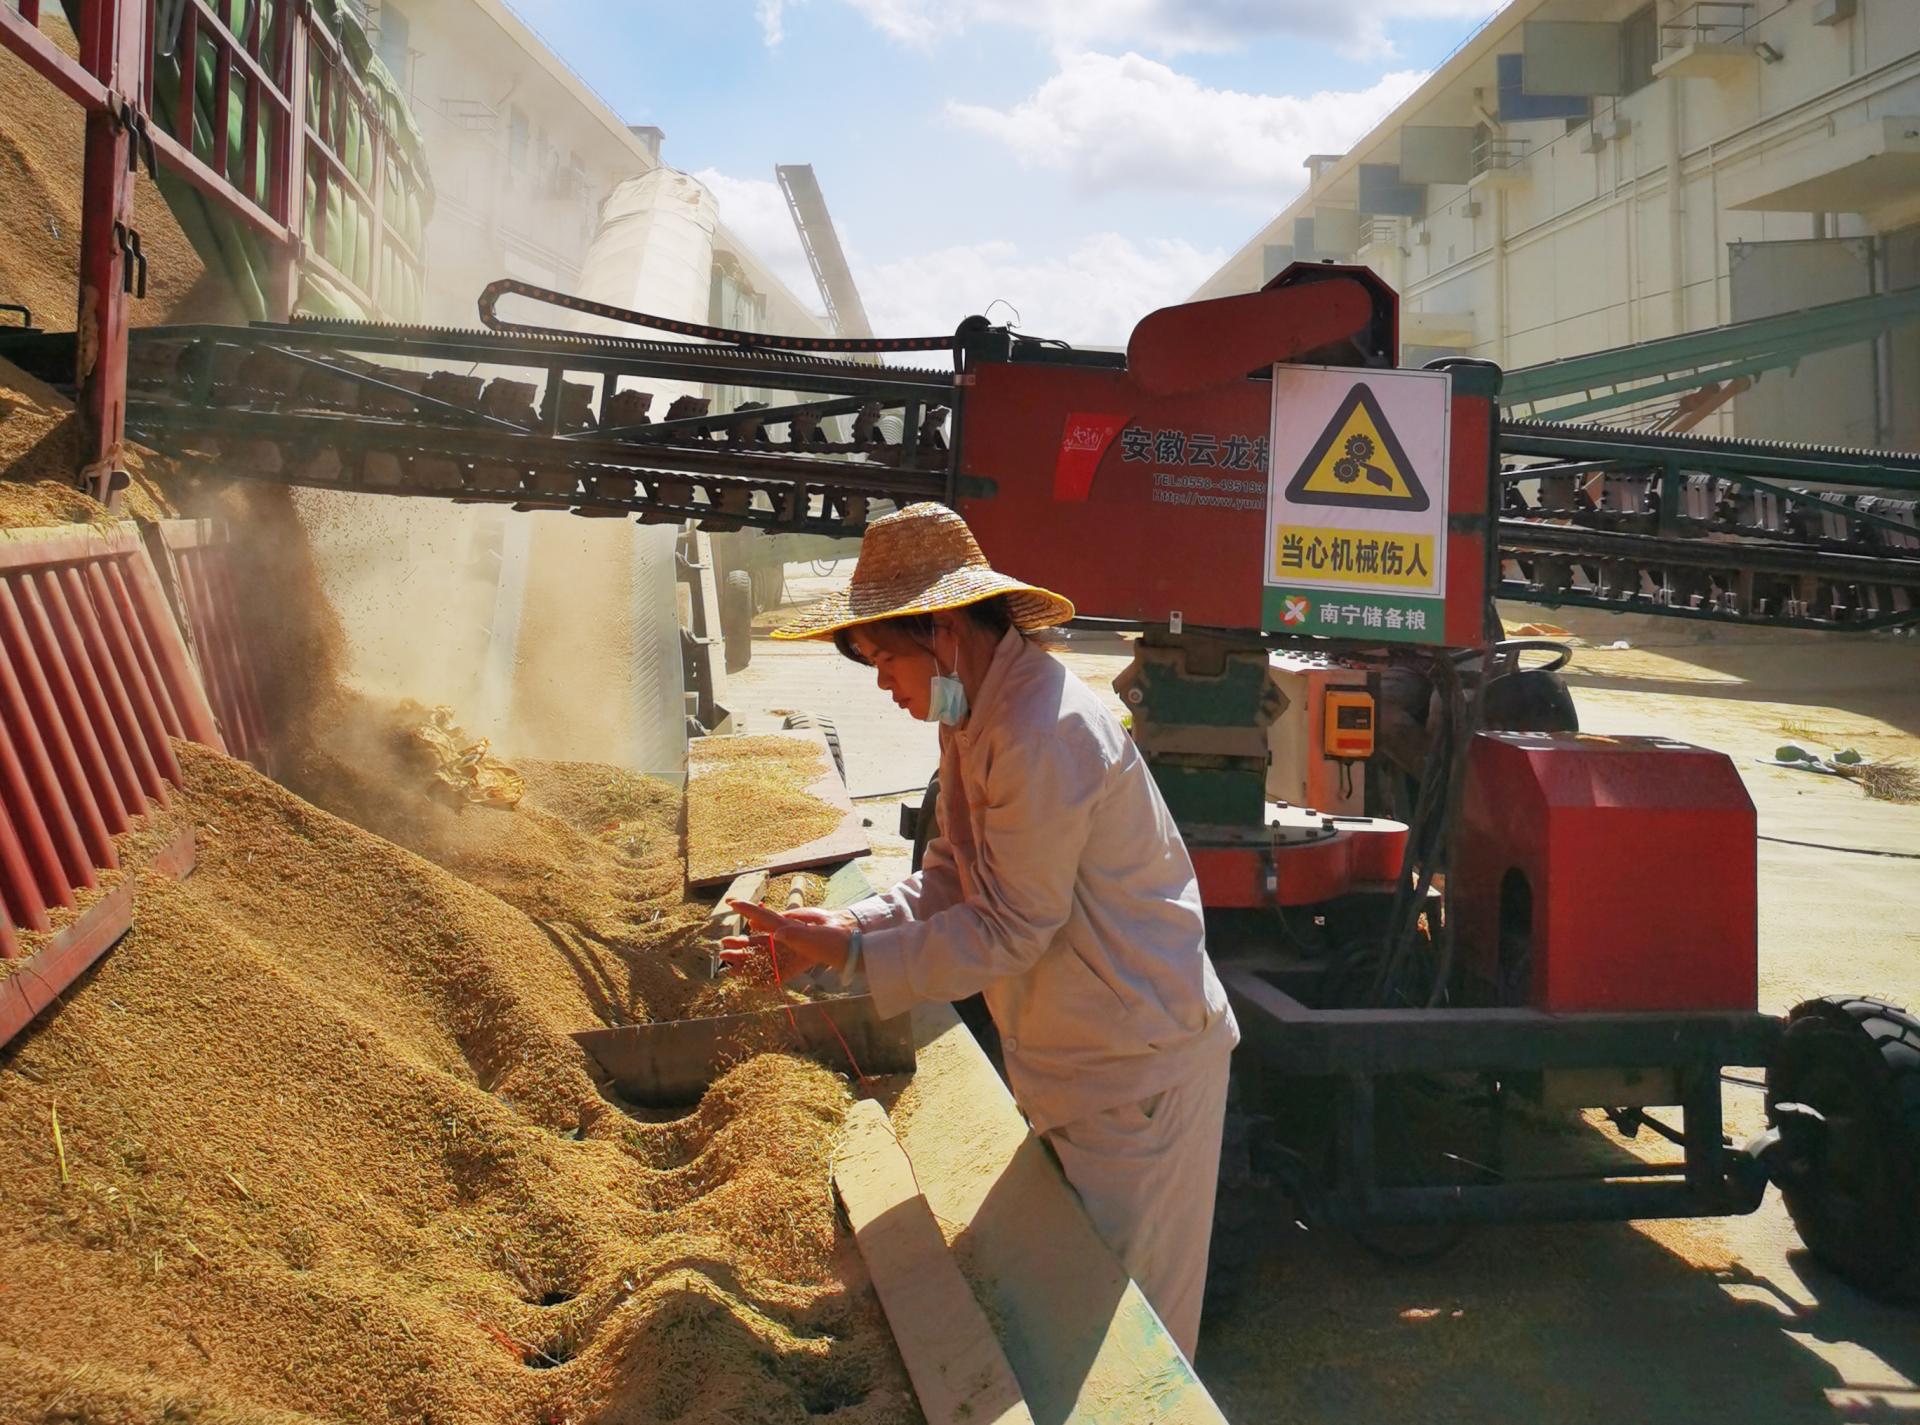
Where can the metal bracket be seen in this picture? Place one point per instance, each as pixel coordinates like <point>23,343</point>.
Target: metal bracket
<point>135,122</point>
<point>133,262</point>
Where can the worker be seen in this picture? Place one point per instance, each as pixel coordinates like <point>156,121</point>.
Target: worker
<point>1057,885</point>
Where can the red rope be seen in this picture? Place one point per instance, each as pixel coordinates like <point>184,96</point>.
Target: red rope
<point>773,955</point>
<point>780,984</point>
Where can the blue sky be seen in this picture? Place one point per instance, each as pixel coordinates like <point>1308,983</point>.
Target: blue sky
<point>1083,160</point>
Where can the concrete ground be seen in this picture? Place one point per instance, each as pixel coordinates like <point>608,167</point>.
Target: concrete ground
<point>1656,1322</point>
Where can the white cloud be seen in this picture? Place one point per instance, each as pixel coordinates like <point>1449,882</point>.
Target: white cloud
<point>771,15</point>
<point>1167,26</point>
<point>1121,121</point>
<point>1093,294</point>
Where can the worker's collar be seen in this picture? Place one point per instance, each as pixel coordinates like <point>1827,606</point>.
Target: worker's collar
<point>1008,652</point>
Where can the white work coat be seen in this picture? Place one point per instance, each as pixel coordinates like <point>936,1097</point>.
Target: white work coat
<point>1059,886</point>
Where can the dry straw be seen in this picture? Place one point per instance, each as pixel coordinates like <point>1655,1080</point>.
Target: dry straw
<point>919,561</point>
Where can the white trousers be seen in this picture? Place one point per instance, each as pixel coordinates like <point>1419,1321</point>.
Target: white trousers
<point>1146,1173</point>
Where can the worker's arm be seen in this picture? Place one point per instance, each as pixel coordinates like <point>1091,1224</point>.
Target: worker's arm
<point>1041,796</point>
<point>928,891</point>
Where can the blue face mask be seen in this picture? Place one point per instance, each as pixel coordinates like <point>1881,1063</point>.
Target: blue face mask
<point>946,701</point>
<point>946,698</point>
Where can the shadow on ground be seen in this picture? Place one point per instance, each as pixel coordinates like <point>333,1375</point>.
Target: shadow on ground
<point>1598,1323</point>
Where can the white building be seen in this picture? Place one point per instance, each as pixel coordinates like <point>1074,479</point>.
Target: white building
<point>1585,174</point>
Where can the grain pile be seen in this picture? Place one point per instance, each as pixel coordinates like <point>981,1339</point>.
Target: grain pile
<point>42,139</point>
<point>591,854</point>
<point>326,1152</point>
<point>39,451</point>
<point>747,798</point>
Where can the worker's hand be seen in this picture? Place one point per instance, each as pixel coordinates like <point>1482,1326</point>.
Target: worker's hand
<point>801,937</point>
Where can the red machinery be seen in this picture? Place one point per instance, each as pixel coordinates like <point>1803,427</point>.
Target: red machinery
<point>1078,482</point>
<point>1306,540</point>
<point>1607,873</point>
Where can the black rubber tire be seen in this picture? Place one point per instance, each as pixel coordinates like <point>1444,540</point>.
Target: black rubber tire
<point>769,587</point>
<point>824,725</point>
<point>736,619</point>
<point>1853,1183</point>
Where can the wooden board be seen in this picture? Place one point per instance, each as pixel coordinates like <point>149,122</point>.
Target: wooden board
<point>1082,1340</point>
<point>672,1062</point>
<point>955,1362</point>
<point>710,864</point>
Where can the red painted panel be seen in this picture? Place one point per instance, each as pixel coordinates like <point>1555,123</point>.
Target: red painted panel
<point>1230,877</point>
<point>35,724</point>
<point>31,876</point>
<point>245,693</point>
<point>1172,515</point>
<point>1119,552</point>
<point>1199,344</point>
<point>61,643</point>
<point>1470,464</point>
<point>1638,856</point>
<point>150,728</point>
<point>135,625</point>
<point>120,700</point>
<point>93,678</point>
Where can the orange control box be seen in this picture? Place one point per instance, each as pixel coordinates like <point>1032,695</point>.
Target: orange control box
<point>1349,728</point>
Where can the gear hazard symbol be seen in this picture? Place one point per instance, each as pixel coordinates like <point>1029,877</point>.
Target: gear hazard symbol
<point>1358,461</point>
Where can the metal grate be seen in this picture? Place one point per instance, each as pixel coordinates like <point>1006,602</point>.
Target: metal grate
<point>195,566</point>
<point>94,681</point>
<point>1707,22</point>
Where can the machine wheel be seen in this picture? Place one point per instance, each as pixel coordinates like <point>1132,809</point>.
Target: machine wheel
<point>769,587</point>
<point>1851,1175</point>
<point>1517,699</point>
<point>826,727</point>
<point>736,619</point>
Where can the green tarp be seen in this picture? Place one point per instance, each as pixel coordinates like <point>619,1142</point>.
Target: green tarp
<point>345,239</point>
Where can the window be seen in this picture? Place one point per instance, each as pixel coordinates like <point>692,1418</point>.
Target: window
<point>393,41</point>
<point>1639,48</point>
<point>517,133</point>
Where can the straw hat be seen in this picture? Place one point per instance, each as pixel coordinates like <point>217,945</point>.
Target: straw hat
<point>919,561</point>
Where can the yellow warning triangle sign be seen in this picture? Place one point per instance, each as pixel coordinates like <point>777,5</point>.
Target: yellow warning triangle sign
<point>1358,461</point>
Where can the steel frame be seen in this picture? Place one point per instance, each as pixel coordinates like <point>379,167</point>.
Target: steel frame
<point>113,81</point>
<point>1692,360</point>
<point>1865,545</point>
<point>1355,1049</point>
<point>289,396</point>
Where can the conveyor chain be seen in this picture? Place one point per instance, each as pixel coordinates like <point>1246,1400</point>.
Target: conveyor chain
<point>606,311</point>
<point>546,421</point>
<point>1681,526</point>
<point>547,343</point>
<point>1744,531</point>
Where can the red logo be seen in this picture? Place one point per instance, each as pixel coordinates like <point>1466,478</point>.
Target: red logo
<point>1295,610</point>
<point>1083,440</point>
